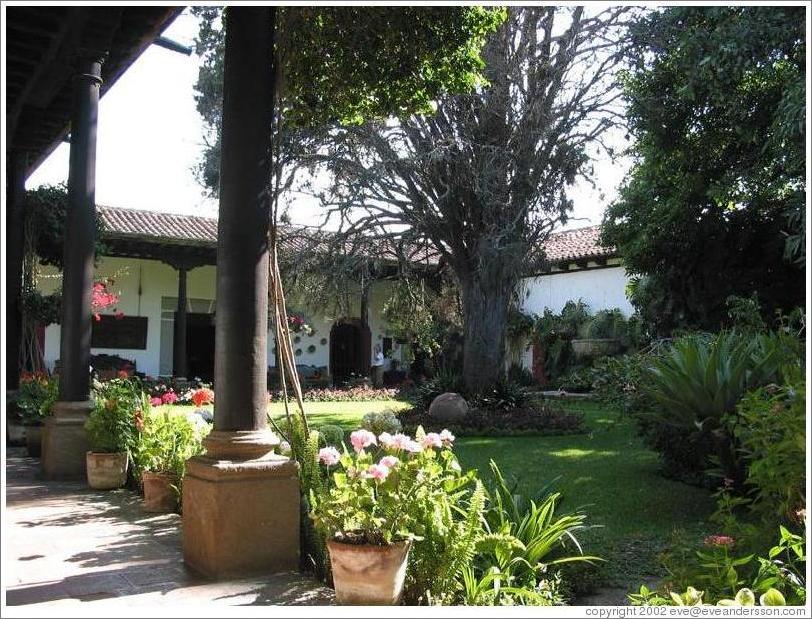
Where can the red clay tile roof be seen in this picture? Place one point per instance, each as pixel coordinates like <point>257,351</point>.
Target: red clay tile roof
<point>169,227</point>
<point>576,244</point>
<point>564,246</point>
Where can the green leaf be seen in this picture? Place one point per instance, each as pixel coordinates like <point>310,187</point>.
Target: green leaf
<point>772,597</point>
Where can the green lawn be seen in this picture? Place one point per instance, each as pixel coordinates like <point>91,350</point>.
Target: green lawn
<point>613,477</point>
<point>607,472</point>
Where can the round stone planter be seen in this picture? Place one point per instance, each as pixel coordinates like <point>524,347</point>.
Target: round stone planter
<point>366,575</point>
<point>160,495</point>
<point>33,440</point>
<point>106,471</point>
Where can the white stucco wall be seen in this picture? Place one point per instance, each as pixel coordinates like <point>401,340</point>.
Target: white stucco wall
<point>600,288</point>
<point>157,281</point>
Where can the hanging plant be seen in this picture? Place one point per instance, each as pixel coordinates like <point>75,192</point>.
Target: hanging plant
<point>297,324</point>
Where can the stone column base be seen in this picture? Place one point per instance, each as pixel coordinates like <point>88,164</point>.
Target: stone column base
<point>240,517</point>
<point>64,441</point>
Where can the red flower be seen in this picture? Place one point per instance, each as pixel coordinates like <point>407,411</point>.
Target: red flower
<point>203,396</point>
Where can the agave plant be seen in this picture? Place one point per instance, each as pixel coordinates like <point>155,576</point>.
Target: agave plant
<point>700,379</point>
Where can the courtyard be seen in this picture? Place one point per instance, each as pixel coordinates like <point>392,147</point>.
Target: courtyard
<point>380,305</point>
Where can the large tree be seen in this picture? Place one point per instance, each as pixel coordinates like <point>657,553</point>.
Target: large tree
<point>484,179</point>
<point>714,205</point>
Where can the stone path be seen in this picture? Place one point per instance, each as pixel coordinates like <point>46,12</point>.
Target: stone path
<point>66,544</point>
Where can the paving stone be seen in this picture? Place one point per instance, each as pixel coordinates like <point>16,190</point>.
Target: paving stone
<point>69,545</point>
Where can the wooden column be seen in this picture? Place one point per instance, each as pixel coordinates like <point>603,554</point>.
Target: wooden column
<point>15,232</point>
<point>251,493</point>
<point>64,437</point>
<point>80,238</point>
<point>179,365</point>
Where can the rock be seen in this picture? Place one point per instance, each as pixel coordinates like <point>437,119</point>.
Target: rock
<point>448,407</point>
<point>202,413</point>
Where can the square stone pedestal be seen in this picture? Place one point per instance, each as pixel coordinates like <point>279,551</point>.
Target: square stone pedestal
<point>64,441</point>
<point>241,517</point>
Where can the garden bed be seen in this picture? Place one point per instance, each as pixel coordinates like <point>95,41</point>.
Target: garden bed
<point>538,420</point>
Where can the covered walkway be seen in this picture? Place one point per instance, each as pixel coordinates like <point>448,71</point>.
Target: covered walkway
<point>67,544</point>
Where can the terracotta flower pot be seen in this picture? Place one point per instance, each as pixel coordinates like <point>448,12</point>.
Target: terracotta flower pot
<point>33,440</point>
<point>159,494</point>
<point>106,471</point>
<point>366,575</point>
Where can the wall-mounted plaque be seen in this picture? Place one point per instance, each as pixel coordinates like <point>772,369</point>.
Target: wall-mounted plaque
<point>125,332</point>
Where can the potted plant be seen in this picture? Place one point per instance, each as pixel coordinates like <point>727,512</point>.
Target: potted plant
<point>371,505</point>
<point>165,442</point>
<point>112,431</point>
<point>35,398</point>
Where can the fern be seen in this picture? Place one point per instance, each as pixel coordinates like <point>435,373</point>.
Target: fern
<point>462,549</point>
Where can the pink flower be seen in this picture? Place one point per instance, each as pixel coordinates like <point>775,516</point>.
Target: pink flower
<point>385,440</point>
<point>432,439</point>
<point>361,439</point>
<point>169,397</point>
<point>719,540</point>
<point>329,456</point>
<point>389,461</point>
<point>155,401</point>
<point>398,441</point>
<point>378,472</point>
<point>447,438</point>
<point>413,447</point>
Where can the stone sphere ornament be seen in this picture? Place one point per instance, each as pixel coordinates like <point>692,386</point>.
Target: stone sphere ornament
<point>448,407</point>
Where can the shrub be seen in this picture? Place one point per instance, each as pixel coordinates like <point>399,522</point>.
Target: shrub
<point>383,421</point>
<point>166,441</point>
<point>724,576</point>
<point>698,381</point>
<point>617,382</point>
<point>520,375</point>
<point>330,435</point>
<point>358,393</point>
<point>505,395</point>
<point>769,426</point>
<point>119,410</point>
<point>578,381</point>
<point>522,542</point>
<point>533,420</point>
<point>445,381</point>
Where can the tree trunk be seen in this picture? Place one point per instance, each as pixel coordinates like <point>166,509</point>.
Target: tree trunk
<point>485,308</point>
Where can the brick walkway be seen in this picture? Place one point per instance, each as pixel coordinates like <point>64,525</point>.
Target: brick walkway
<point>66,544</point>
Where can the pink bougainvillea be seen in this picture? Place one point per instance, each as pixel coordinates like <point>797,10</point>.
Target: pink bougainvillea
<point>102,299</point>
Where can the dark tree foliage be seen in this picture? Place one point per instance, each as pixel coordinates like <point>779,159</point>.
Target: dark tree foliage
<point>714,205</point>
<point>345,65</point>
<point>46,210</point>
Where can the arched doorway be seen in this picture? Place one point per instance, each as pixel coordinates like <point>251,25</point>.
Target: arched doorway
<point>349,349</point>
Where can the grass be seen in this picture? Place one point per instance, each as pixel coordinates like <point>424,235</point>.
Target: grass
<point>607,472</point>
